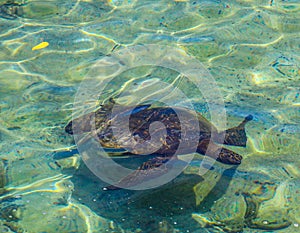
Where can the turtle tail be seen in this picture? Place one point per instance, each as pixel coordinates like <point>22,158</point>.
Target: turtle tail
<point>236,136</point>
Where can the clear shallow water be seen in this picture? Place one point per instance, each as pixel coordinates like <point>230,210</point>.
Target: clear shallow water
<point>250,47</point>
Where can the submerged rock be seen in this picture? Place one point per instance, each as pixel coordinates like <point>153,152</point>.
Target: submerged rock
<point>247,204</point>
<point>232,216</point>
<point>273,213</point>
<point>230,219</point>
<point>10,214</point>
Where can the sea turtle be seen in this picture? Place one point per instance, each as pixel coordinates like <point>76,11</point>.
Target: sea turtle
<point>140,119</point>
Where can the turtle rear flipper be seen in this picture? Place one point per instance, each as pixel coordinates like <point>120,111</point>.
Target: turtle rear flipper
<point>221,154</point>
<point>229,157</point>
<point>236,136</point>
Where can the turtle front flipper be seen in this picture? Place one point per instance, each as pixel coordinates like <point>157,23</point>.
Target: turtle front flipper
<point>221,154</point>
<point>236,136</point>
<point>148,170</point>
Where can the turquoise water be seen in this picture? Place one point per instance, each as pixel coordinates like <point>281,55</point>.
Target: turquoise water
<point>250,48</point>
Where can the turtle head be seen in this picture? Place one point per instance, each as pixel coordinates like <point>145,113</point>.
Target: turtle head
<point>81,124</point>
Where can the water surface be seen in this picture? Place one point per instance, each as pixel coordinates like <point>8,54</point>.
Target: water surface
<point>250,47</point>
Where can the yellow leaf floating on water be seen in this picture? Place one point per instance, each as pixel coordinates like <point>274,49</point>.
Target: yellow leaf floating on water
<point>40,46</point>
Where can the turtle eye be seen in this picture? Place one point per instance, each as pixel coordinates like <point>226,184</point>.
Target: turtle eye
<point>135,136</point>
<point>69,128</point>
